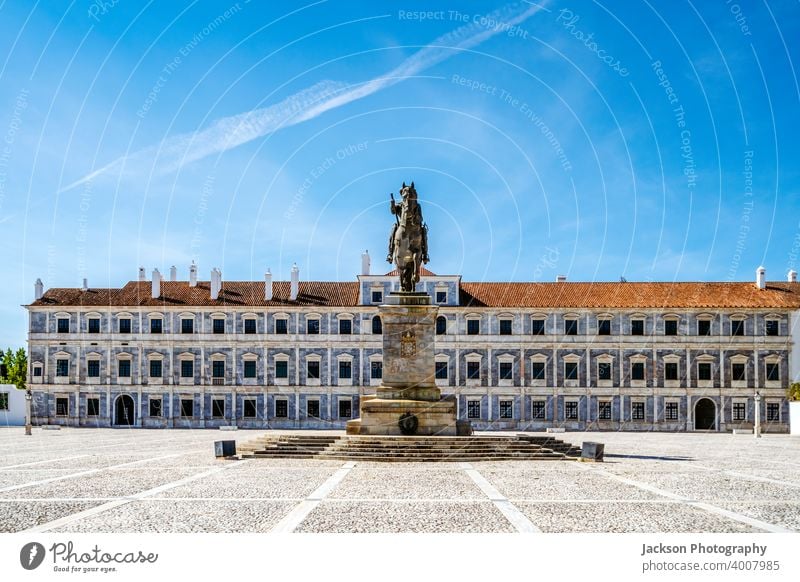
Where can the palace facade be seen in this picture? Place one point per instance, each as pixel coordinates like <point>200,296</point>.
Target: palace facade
<point>519,356</point>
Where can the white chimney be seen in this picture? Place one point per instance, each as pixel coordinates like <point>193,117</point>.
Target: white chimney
<point>761,277</point>
<point>193,275</point>
<point>792,276</point>
<point>173,273</point>
<point>216,283</point>
<point>85,286</point>
<point>38,289</point>
<point>295,287</point>
<point>142,274</point>
<point>268,286</point>
<point>561,278</point>
<point>365,263</point>
<point>155,288</point>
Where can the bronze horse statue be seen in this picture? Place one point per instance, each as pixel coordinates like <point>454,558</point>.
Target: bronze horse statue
<point>408,243</point>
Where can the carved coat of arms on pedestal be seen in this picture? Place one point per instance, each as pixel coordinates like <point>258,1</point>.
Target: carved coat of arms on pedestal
<point>408,344</point>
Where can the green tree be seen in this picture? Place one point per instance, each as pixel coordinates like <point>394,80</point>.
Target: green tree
<point>794,391</point>
<point>16,367</point>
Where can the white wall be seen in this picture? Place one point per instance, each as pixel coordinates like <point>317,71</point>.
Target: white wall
<point>15,415</point>
<point>794,355</point>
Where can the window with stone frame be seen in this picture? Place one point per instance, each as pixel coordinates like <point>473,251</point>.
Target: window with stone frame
<point>473,408</point>
<point>249,368</point>
<point>704,371</point>
<point>441,297</point>
<point>312,369</point>
<point>773,372</point>
<point>773,412</point>
<point>187,368</point>
<point>218,369</point>
<point>218,408</point>
<point>571,410</point>
<point>737,326</point>
<point>93,368</point>
<point>281,326</point>
<point>671,326</point>
<point>250,326</point>
<point>94,325</point>
<point>473,326</point>
<point>506,409</point>
<point>570,370</point>
<point>537,371</point>
<point>376,369</point>
<point>604,410</point>
<point>570,326</point>
<point>156,368</point>
<point>187,407</point>
<point>124,325</point>
<point>62,367</point>
<point>62,406</point>
<point>124,368</point>
<point>703,327</point>
<point>739,411</point>
<point>637,371</point>
<point>37,371</point>
<point>506,370</point>
<point>377,325</point>
<point>604,326</point>
<point>345,326</point>
<point>187,325</point>
<point>604,371</point>
<point>281,369</point>
<point>312,408</point>
<point>249,408</point>
<point>154,407</point>
<point>738,373</point>
<point>218,325</point>
<point>671,371</point>
<point>637,326</point>
<point>537,326</point>
<point>441,325</point>
<point>772,327</point>
<point>92,407</point>
<point>473,370</point>
<point>63,325</point>
<point>377,296</point>
<point>345,408</point>
<point>506,326</point>
<point>156,325</point>
<point>671,411</point>
<point>538,409</point>
<point>637,410</point>
<point>441,370</point>
<point>345,369</point>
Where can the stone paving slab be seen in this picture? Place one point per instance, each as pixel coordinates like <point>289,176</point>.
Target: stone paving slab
<point>406,482</point>
<point>20,515</point>
<point>713,486</point>
<point>248,482</point>
<point>405,517</point>
<point>617,517</point>
<point>786,513</point>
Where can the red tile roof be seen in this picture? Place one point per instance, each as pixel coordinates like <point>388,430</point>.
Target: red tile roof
<point>423,271</point>
<point>512,295</point>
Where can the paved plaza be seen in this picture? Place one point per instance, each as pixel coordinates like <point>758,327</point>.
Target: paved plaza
<point>107,480</point>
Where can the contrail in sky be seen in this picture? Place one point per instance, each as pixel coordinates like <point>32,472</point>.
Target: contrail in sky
<point>229,132</point>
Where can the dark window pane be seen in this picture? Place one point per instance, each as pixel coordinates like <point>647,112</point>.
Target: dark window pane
<point>154,404</point>
<point>250,326</point>
<point>312,369</point>
<point>671,411</point>
<point>738,411</point>
<point>571,327</point>
<point>604,371</point>
<point>377,326</point>
<point>125,325</point>
<point>773,412</point>
<point>312,408</point>
<point>155,326</point>
<point>537,326</point>
<point>250,408</point>
<point>155,368</point>
<point>187,368</point>
<point>281,326</point>
<point>93,368</point>
<point>187,407</point>
<point>703,327</point>
<point>92,407</point>
<point>63,325</point>
<point>737,327</point>
<point>537,371</point>
<point>773,372</point>
<point>441,297</point>
<point>218,369</point>
<point>441,370</point>
<point>637,327</point>
<point>505,326</point>
<point>506,371</point>
<point>37,371</point>
<point>376,370</point>
<point>281,369</point>
<point>737,372</point>
<point>671,371</point>
<point>704,371</point>
<point>637,371</point>
<point>473,408</point>
<point>506,409</point>
<point>441,325</point>
<point>604,327</point>
<point>124,368</point>
<point>571,410</point>
<point>538,410</point>
<point>772,327</point>
<point>62,406</point>
<point>474,370</point>
<point>219,325</point>
<point>671,327</point>
<point>62,367</point>
<point>281,408</point>
<point>218,408</point>
<point>250,369</point>
<point>571,370</point>
<point>473,326</point>
<point>604,410</point>
<point>94,325</point>
<point>187,325</point>
<point>637,411</point>
<point>345,370</point>
<point>345,409</point>
<point>345,327</point>
<point>377,296</point>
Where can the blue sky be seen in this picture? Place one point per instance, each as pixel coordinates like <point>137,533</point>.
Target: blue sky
<point>654,141</point>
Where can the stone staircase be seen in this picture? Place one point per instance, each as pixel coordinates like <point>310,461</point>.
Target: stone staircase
<point>411,448</point>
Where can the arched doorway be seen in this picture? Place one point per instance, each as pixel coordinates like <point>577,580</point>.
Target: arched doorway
<point>705,414</point>
<point>124,413</point>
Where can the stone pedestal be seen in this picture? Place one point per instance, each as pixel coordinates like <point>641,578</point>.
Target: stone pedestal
<point>409,386</point>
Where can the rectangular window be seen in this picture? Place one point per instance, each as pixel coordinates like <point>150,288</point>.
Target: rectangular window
<point>154,405</point>
<point>345,369</point>
<point>249,368</point>
<point>506,371</point>
<point>571,410</point>
<point>218,326</point>
<point>604,410</point>
<point>474,370</point>
<point>637,327</point>
<point>93,368</point>
<point>281,369</point>
<point>376,370</point>
<point>187,325</point>
<point>218,369</point>
<point>738,411</point>
<point>737,327</point>
<point>187,368</point>
<point>637,371</point>
<point>218,408</point>
<point>282,326</point>
<point>473,326</point>
<point>124,325</point>
<point>441,297</point>
<point>473,408</point>
<point>570,370</point>
<point>312,326</point>
<point>537,371</point>
<point>62,406</point>
<point>63,325</point>
<point>92,407</point>
<point>737,372</point>
<point>773,372</point>
<point>441,370</point>
<point>506,326</point>
<point>345,409</point>
<point>37,371</point>
<point>773,412</point>
<point>312,370</point>
<point>124,368</point>
<point>772,327</point>
<point>155,368</point>
<point>94,325</point>
<point>281,408</point>
<point>62,367</point>
<point>537,326</point>
<point>671,327</point>
<point>250,326</point>
<point>312,408</point>
<point>441,325</point>
<point>604,327</point>
<point>187,407</point>
<point>671,411</point>
<point>156,325</point>
<point>506,409</point>
<point>637,410</point>
<point>671,371</point>
<point>570,327</point>
<point>377,296</point>
<point>345,327</point>
<point>703,327</point>
<point>604,371</point>
<point>3,400</point>
<point>704,371</point>
<point>249,409</point>
<point>537,410</point>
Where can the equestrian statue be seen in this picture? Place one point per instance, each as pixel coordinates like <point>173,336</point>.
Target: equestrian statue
<point>408,243</point>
